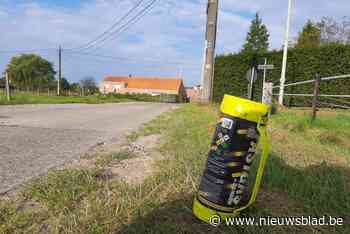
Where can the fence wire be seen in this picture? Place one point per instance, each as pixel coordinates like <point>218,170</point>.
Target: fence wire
<point>313,80</point>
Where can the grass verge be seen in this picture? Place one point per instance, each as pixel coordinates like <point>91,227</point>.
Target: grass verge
<point>26,98</point>
<point>30,98</point>
<point>76,201</point>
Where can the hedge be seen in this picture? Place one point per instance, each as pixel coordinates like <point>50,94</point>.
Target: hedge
<point>166,98</point>
<point>303,64</point>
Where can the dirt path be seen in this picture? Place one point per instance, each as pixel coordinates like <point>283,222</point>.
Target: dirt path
<point>131,162</point>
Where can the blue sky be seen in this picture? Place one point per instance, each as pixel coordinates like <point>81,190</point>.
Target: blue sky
<point>69,4</point>
<point>167,40</point>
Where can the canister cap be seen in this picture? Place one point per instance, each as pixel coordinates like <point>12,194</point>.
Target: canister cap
<point>244,108</point>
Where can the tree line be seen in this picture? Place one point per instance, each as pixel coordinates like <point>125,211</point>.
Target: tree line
<point>314,34</point>
<point>325,32</point>
<point>31,72</point>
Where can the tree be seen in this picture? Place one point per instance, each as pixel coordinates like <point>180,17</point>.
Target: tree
<point>75,87</point>
<point>64,83</point>
<point>2,82</point>
<point>88,85</point>
<point>30,71</point>
<point>333,32</point>
<point>257,40</point>
<point>310,36</point>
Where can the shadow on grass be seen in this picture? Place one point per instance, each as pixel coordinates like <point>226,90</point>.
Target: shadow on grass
<point>317,190</point>
<point>322,189</point>
<point>173,217</point>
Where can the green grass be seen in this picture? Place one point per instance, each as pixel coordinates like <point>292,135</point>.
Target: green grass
<point>32,98</point>
<point>14,221</point>
<point>76,201</point>
<point>62,189</point>
<point>105,160</point>
<point>321,189</point>
<point>338,121</point>
<point>330,131</point>
<point>188,135</point>
<point>27,98</point>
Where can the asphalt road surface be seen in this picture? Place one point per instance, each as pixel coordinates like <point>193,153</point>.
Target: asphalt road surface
<point>35,138</point>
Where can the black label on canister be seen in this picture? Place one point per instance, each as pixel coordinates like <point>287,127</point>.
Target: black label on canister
<point>225,178</point>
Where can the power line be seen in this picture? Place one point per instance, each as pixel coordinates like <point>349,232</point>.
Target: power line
<point>105,35</point>
<point>123,59</point>
<point>110,28</point>
<point>125,26</point>
<point>155,67</point>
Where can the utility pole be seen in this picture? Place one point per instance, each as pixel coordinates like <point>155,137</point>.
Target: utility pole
<point>285,54</point>
<point>7,80</point>
<point>180,73</point>
<point>59,70</point>
<point>210,41</point>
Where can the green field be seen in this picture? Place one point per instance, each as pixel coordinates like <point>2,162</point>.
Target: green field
<point>307,174</point>
<point>29,98</point>
<point>33,98</point>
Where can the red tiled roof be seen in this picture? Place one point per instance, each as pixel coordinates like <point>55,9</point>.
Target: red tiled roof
<point>148,82</point>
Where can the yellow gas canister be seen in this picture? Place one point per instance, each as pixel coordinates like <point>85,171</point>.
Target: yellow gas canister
<point>223,190</point>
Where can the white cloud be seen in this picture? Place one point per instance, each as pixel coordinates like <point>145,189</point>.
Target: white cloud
<point>173,31</point>
<point>3,14</point>
<point>250,6</point>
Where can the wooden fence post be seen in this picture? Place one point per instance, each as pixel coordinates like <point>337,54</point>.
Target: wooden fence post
<point>315,97</point>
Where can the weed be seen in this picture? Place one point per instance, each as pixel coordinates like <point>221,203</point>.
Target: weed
<point>62,189</point>
<point>12,221</point>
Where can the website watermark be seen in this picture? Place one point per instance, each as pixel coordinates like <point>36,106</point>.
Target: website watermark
<point>216,220</point>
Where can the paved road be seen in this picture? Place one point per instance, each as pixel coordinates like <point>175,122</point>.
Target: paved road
<point>34,138</point>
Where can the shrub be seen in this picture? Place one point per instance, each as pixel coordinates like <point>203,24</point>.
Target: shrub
<point>303,64</point>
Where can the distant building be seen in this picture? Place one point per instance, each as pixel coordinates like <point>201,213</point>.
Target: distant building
<point>193,93</point>
<point>144,85</point>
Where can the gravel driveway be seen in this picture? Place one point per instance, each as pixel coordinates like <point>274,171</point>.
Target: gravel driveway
<point>34,138</point>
